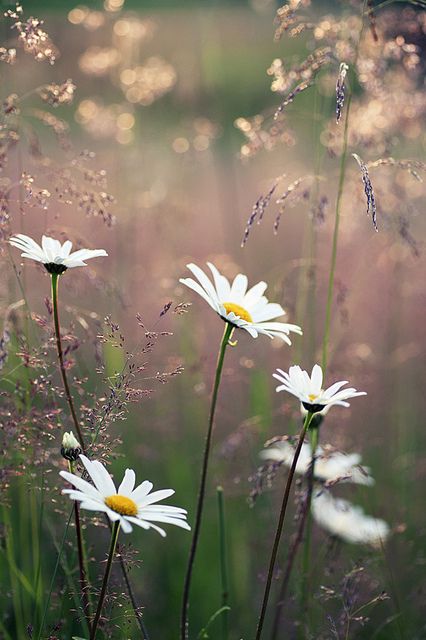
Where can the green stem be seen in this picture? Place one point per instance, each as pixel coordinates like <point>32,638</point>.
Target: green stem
<point>280,526</point>
<point>52,582</point>
<point>84,587</point>
<point>55,282</point>
<point>202,490</point>
<point>114,537</point>
<point>307,545</point>
<point>342,175</point>
<point>223,564</point>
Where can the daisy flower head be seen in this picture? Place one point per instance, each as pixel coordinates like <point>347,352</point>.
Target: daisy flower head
<point>308,388</point>
<point>347,521</point>
<point>241,307</point>
<point>55,256</point>
<point>127,504</point>
<point>331,466</point>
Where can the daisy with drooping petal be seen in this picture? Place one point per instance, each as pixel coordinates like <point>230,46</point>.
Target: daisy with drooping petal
<point>127,505</point>
<point>330,465</point>
<point>55,256</point>
<point>308,388</point>
<point>348,521</point>
<point>242,308</point>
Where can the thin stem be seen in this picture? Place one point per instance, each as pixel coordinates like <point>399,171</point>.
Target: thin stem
<point>307,543</point>
<point>223,564</point>
<point>132,597</point>
<point>136,611</point>
<point>287,573</point>
<point>280,526</point>
<point>84,587</point>
<point>55,281</point>
<point>202,490</point>
<point>52,582</point>
<point>342,175</point>
<point>114,537</point>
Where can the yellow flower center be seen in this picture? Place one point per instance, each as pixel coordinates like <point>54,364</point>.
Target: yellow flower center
<point>239,311</point>
<point>312,397</point>
<point>122,505</point>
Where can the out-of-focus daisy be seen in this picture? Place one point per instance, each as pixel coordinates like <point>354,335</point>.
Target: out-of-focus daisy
<point>55,256</point>
<point>242,308</point>
<point>330,465</point>
<point>127,504</point>
<point>347,521</point>
<point>308,388</point>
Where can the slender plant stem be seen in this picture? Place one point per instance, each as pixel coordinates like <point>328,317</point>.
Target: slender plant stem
<point>80,546</point>
<point>223,564</point>
<point>280,526</point>
<point>114,537</point>
<point>84,587</point>
<point>52,582</point>
<point>55,282</point>
<point>341,183</point>
<point>307,542</point>
<point>129,588</point>
<point>136,611</point>
<point>184,631</point>
<point>287,573</point>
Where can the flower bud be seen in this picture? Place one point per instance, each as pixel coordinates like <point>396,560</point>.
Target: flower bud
<point>71,448</point>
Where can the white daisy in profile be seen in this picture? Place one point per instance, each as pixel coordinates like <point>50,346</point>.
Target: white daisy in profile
<point>127,504</point>
<point>348,521</point>
<point>331,466</point>
<point>55,256</point>
<point>242,308</point>
<point>308,388</point>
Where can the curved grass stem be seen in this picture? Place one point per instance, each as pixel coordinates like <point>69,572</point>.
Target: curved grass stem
<point>184,631</point>
<point>280,526</point>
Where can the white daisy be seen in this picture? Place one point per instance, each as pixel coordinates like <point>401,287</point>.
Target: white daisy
<point>127,504</point>
<point>55,256</point>
<point>330,465</point>
<point>309,389</point>
<point>348,521</point>
<point>249,310</point>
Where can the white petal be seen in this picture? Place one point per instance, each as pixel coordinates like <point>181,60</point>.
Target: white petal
<point>316,377</point>
<point>125,525</point>
<point>204,281</point>
<point>223,288</point>
<point>100,476</point>
<point>141,491</point>
<point>270,311</point>
<point>189,282</point>
<point>156,496</point>
<point>254,294</point>
<point>147,525</point>
<point>128,483</point>
<point>80,484</point>
<point>238,288</point>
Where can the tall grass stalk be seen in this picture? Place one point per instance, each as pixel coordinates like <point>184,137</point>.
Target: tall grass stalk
<point>113,544</point>
<point>223,564</point>
<point>341,183</point>
<point>184,630</point>
<point>278,532</point>
<point>52,582</point>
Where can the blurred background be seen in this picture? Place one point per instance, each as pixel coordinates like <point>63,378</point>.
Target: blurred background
<point>159,146</point>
